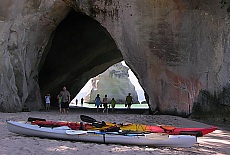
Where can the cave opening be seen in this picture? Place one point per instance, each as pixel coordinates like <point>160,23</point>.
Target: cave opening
<point>79,49</point>
<point>113,86</point>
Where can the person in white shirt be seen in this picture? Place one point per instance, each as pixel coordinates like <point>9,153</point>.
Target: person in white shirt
<point>47,99</point>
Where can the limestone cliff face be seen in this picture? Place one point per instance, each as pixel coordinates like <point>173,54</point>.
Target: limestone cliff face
<point>25,28</point>
<point>40,52</point>
<point>175,48</point>
<point>114,83</point>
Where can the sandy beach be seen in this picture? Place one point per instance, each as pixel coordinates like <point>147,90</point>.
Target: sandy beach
<point>217,142</point>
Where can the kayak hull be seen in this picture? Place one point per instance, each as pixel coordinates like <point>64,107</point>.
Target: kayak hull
<point>99,137</point>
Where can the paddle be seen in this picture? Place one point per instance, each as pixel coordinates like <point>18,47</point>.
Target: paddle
<point>48,125</point>
<point>75,132</point>
<point>193,133</point>
<point>31,119</point>
<point>88,119</point>
<point>94,122</point>
<point>81,132</point>
<point>152,136</point>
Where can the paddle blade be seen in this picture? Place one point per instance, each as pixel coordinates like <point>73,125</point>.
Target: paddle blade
<point>75,132</point>
<point>31,119</point>
<point>99,124</point>
<point>87,119</point>
<point>94,122</point>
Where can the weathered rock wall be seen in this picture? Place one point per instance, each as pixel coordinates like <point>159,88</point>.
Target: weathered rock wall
<point>25,28</point>
<point>175,47</point>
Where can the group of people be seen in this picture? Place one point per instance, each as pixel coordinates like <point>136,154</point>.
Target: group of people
<point>63,101</point>
<point>82,101</point>
<point>104,102</point>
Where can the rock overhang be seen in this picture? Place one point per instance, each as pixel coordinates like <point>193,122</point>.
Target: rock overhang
<point>193,32</point>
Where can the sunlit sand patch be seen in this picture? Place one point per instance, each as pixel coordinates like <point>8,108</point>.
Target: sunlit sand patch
<point>217,142</point>
<point>2,123</point>
<point>61,148</point>
<point>217,138</point>
<point>125,148</point>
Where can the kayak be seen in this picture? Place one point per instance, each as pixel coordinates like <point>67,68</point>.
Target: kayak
<point>108,126</point>
<point>97,136</point>
<point>198,132</point>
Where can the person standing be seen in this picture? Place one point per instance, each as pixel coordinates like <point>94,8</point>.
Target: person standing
<point>59,103</point>
<point>97,101</point>
<point>105,104</point>
<point>113,103</point>
<point>82,101</point>
<point>129,100</point>
<point>65,100</point>
<point>76,101</point>
<point>47,99</point>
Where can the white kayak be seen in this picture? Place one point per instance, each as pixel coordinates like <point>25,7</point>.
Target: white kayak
<point>65,133</point>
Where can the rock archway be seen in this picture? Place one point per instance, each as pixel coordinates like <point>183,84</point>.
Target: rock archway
<point>79,48</point>
<point>175,48</point>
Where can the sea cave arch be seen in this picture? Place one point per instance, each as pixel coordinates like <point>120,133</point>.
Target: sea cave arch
<point>178,50</point>
<point>78,49</point>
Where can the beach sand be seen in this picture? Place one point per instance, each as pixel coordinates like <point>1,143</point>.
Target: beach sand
<point>217,142</point>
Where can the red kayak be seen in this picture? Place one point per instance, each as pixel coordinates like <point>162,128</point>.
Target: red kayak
<point>181,131</point>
